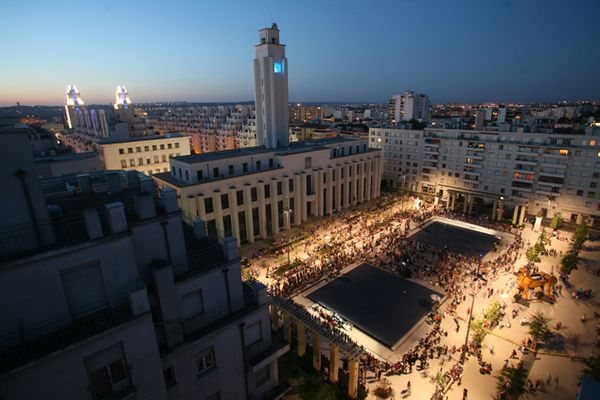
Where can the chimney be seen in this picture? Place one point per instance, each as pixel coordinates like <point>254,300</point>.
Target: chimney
<point>144,205</point>
<point>133,179</point>
<point>146,184</point>
<point>116,217</point>
<point>168,197</point>
<point>230,248</point>
<point>85,183</point>
<point>113,182</point>
<point>93,226</point>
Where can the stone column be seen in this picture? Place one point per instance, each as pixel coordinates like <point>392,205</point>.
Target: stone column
<point>301,330</point>
<point>314,209</point>
<point>274,207</point>
<point>218,212</point>
<point>248,212</point>
<point>297,200</point>
<point>494,209</point>
<point>354,180</point>
<point>262,210</point>
<point>361,181</point>
<point>201,207</point>
<point>287,327</point>
<point>579,219</point>
<point>374,175</point>
<point>334,362</point>
<point>316,339</point>
<point>465,203</point>
<point>471,201</point>
<point>522,216</point>
<point>347,199</point>
<point>287,221</point>
<point>368,181</point>
<point>449,201</point>
<point>304,191</point>
<point>320,193</point>
<point>500,211</point>
<point>379,163</point>
<point>515,215</point>
<point>329,199</point>
<point>353,378</point>
<point>274,317</point>
<point>233,213</point>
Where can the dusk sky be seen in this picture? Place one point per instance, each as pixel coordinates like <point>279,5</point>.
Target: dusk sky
<point>355,51</point>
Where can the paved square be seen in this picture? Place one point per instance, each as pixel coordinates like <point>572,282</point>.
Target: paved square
<point>382,305</point>
<point>457,239</point>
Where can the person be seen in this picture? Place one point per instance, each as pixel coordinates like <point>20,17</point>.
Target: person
<point>465,393</point>
<point>583,318</point>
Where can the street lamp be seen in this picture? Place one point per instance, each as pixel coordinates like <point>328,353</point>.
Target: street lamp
<point>477,276</point>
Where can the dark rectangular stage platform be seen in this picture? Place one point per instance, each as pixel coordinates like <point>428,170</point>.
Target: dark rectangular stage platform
<point>379,303</point>
<point>457,239</point>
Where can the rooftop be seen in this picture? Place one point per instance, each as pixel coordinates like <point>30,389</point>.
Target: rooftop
<point>170,135</point>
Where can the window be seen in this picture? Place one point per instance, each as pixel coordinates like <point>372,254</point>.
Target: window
<point>176,145</point>
<point>270,163</point>
<point>187,175</point>
<point>199,175</point>
<point>123,163</point>
<point>162,146</point>
<point>169,375</point>
<point>108,373</point>
<point>245,167</point>
<point>258,165</point>
<point>224,201</point>
<point>154,147</point>
<point>132,162</point>
<point>205,361</point>
<point>231,170</point>
<point>307,162</point>
<point>163,158</point>
<point>579,193</point>
<point>267,191</point>
<point>156,159</point>
<point>215,172</point>
<point>138,149</point>
<point>146,148</point>
<point>130,150</point>
<point>169,146</point>
<point>140,161</point>
<point>291,185</point>
<point>279,188</point>
<point>240,197</point>
<point>253,194</point>
<point>122,151</point>
<point>208,205</point>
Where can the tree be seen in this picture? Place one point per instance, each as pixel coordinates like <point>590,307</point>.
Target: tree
<point>314,388</point>
<point>539,326</point>
<point>579,237</point>
<point>592,367</point>
<point>556,221</point>
<point>533,254</point>
<point>511,383</point>
<point>569,262</point>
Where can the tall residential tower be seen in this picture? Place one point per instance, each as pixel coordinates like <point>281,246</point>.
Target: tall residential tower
<point>271,90</point>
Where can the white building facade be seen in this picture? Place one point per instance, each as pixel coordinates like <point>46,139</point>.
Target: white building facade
<point>527,172</point>
<point>409,105</point>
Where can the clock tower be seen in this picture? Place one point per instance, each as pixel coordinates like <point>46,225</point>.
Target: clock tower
<point>271,90</point>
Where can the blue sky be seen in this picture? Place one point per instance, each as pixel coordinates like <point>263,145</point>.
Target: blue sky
<point>486,50</point>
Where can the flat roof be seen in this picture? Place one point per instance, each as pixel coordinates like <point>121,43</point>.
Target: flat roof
<point>294,147</point>
<point>172,135</point>
<point>66,157</point>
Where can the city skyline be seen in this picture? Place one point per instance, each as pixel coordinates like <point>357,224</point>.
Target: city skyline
<point>501,52</point>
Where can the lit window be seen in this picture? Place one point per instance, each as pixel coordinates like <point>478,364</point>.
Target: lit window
<point>564,152</point>
<point>592,142</point>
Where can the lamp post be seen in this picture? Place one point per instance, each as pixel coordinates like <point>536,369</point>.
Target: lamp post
<point>287,215</point>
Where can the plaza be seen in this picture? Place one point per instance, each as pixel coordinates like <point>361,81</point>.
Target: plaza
<point>386,235</point>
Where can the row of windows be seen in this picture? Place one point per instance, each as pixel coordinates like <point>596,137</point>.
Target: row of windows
<point>154,147</point>
<point>140,161</point>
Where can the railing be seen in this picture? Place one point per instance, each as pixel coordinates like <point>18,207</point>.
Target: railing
<point>32,341</point>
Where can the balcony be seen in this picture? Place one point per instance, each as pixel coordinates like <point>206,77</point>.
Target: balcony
<point>262,353</point>
<point>30,342</point>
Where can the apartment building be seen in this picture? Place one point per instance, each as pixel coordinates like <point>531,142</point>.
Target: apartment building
<point>150,154</point>
<point>106,294</point>
<point>407,106</point>
<point>499,172</point>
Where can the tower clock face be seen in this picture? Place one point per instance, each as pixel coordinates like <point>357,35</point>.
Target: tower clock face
<point>278,67</point>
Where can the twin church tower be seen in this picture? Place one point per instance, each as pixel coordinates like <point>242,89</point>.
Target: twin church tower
<point>271,90</point>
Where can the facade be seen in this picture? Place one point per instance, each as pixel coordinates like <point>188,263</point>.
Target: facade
<point>149,155</point>
<point>106,293</point>
<point>525,172</point>
<point>271,90</point>
<point>258,192</point>
<point>409,105</point>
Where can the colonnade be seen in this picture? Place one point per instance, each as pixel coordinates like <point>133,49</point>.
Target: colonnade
<point>467,207</point>
<point>285,313</point>
<point>317,192</point>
